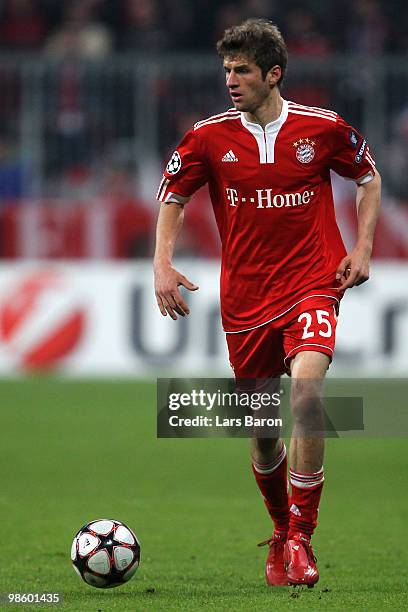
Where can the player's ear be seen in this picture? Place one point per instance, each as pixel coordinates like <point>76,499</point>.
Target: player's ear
<point>273,75</point>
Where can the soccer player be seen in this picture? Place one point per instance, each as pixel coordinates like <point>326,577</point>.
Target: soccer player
<point>267,162</point>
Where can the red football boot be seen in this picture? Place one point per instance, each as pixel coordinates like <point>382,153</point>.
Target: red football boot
<point>300,561</point>
<point>275,572</point>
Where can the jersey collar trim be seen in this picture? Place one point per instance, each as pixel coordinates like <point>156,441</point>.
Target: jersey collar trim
<point>266,138</point>
<point>273,126</point>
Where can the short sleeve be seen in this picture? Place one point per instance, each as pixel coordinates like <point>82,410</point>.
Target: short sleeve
<point>351,155</point>
<point>185,172</point>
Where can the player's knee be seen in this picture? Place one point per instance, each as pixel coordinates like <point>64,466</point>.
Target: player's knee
<point>306,401</point>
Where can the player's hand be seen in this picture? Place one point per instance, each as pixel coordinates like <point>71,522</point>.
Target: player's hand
<point>353,269</point>
<point>168,296</point>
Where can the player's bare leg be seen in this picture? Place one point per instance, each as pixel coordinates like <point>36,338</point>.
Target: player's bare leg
<point>308,369</point>
<point>265,450</point>
<point>269,465</point>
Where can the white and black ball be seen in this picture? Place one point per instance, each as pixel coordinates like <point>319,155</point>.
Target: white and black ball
<point>105,553</point>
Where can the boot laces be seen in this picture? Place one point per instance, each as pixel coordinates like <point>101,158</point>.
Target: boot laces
<point>310,552</point>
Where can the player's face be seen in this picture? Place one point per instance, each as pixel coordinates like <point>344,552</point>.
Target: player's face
<point>247,88</point>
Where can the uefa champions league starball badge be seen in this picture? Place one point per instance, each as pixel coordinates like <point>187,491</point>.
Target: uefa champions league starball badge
<point>174,164</point>
<point>305,150</point>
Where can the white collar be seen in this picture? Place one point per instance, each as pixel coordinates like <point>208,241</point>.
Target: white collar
<point>273,126</point>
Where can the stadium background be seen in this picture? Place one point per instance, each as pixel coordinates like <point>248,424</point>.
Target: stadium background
<point>94,97</point>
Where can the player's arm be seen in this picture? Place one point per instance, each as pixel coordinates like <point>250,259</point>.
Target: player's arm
<point>354,268</point>
<point>185,173</point>
<point>352,159</point>
<point>166,278</point>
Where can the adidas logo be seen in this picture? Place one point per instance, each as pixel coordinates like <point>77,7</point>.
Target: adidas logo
<point>295,510</point>
<point>229,157</point>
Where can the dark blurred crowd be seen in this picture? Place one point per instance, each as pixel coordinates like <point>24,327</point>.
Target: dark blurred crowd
<point>97,27</point>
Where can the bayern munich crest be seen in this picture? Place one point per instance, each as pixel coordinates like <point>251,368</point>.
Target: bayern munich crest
<point>305,150</point>
<point>174,164</point>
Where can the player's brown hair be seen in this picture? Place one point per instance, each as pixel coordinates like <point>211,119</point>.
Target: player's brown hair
<point>259,40</point>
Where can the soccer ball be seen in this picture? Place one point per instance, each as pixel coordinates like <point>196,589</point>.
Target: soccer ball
<point>105,553</point>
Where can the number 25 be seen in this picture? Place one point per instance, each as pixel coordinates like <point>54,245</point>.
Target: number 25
<point>322,319</point>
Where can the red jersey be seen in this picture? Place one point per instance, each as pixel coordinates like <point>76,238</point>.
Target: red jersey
<point>271,193</point>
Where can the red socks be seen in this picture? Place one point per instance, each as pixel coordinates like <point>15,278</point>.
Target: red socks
<point>272,481</point>
<point>304,503</point>
<point>305,499</point>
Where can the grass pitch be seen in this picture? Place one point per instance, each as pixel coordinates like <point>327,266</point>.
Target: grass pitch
<point>76,451</point>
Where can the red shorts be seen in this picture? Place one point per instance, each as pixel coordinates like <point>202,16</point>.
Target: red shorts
<point>266,351</point>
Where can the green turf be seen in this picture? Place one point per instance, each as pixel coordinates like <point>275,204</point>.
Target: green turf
<point>75,451</point>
